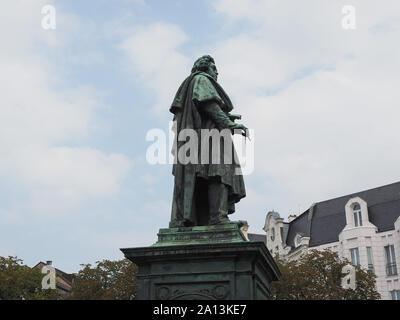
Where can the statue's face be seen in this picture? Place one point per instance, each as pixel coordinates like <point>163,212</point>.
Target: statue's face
<point>212,71</point>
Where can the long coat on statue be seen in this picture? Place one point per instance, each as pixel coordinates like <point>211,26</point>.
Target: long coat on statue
<point>197,89</point>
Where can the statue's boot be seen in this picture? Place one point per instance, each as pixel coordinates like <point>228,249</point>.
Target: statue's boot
<point>218,203</point>
<point>218,219</point>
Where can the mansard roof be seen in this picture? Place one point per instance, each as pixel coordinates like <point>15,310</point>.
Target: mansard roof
<point>325,220</point>
<point>257,237</point>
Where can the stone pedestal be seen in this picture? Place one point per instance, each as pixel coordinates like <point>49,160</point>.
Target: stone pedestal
<point>203,263</point>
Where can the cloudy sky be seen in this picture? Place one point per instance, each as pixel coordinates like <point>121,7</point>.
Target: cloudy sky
<point>77,102</point>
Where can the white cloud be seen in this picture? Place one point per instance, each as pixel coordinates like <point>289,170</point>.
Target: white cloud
<point>38,121</point>
<point>303,83</point>
<point>73,172</point>
<point>32,112</point>
<point>322,100</point>
<point>154,52</point>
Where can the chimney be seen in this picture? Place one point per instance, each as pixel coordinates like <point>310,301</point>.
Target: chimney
<point>292,217</point>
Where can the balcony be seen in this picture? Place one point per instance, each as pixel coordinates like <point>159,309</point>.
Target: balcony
<point>391,269</point>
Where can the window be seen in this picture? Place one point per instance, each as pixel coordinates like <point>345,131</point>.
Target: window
<point>273,234</point>
<point>357,215</point>
<point>369,258</point>
<point>355,257</point>
<point>395,294</point>
<point>391,268</point>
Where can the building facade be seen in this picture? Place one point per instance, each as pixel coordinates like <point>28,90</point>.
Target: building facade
<point>363,227</point>
<point>63,280</point>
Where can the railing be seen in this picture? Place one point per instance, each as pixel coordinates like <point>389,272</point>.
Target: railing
<point>391,269</point>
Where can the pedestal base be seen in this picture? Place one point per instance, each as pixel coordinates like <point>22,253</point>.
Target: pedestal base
<point>225,233</point>
<point>211,271</point>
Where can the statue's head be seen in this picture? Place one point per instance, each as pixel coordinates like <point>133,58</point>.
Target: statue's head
<point>206,64</point>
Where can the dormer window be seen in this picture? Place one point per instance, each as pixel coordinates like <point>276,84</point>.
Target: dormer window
<point>357,215</point>
<point>356,210</point>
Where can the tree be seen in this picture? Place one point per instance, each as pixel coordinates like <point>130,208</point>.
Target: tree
<point>109,280</point>
<point>20,282</point>
<point>317,276</point>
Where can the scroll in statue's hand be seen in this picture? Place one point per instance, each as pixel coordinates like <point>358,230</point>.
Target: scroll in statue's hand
<point>234,117</point>
<point>244,131</point>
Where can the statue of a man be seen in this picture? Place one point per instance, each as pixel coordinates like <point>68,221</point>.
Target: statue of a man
<point>205,193</point>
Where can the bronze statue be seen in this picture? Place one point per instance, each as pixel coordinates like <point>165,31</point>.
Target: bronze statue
<point>205,193</point>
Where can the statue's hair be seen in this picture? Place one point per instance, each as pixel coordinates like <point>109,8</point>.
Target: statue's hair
<point>202,63</point>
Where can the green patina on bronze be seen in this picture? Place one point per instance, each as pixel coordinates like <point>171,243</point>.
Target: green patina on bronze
<point>203,255</point>
<point>226,233</point>
<point>204,194</point>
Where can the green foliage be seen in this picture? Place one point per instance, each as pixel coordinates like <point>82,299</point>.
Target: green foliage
<point>317,276</point>
<point>19,282</point>
<point>109,280</point>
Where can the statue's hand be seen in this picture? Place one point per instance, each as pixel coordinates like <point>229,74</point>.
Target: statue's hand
<point>245,131</point>
<point>234,117</point>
